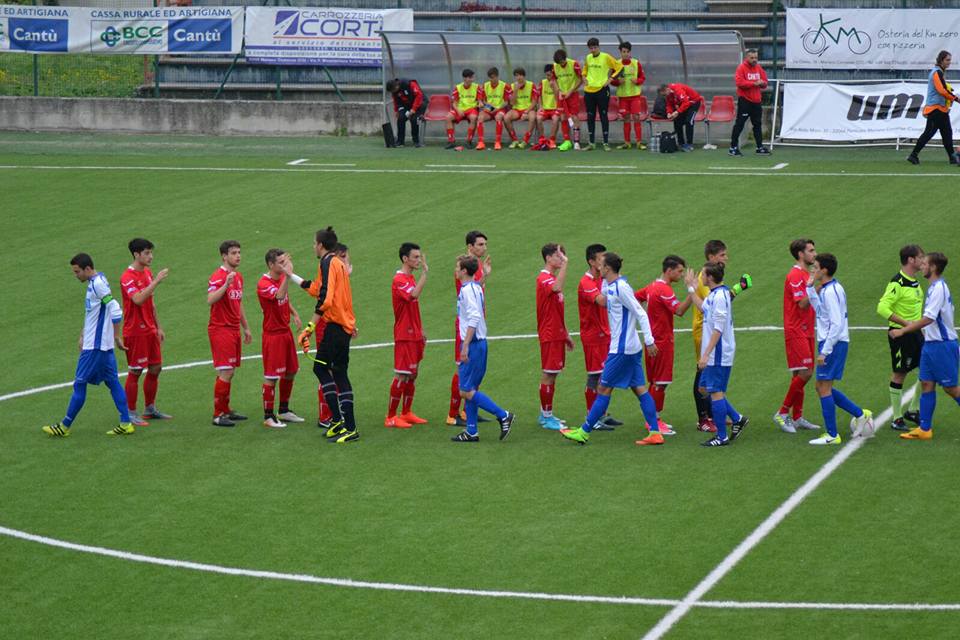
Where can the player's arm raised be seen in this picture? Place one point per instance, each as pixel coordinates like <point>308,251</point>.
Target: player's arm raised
<point>215,294</point>
<point>561,276</point>
<point>141,296</point>
<point>417,290</point>
<point>690,279</point>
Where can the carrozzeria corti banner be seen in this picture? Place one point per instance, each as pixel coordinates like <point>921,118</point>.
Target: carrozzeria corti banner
<point>848,112</point>
<point>193,30</point>
<point>869,38</point>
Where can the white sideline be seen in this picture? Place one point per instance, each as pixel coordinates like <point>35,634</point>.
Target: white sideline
<point>763,530</point>
<point>532,172</point>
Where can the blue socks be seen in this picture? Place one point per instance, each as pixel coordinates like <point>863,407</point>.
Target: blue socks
<point>928,402</point>
<point>484,402</point>
<point>119,398</point>
<point>846,404</point>
<point>598,410</point>
<point>829,408</point>
<point>719,409</point>
<point>76,402</point>
<point>649,408</point>
<point>733,413</point>
<point>470,408</point>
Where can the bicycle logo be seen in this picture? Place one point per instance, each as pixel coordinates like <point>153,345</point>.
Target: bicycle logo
<point>816,42</point>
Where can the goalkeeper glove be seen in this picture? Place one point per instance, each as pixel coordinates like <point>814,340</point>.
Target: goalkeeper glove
<point>745,283</point>
<point>304,337</point>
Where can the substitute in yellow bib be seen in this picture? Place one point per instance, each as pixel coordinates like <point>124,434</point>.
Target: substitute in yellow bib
<point>630,96</point>
<point>549,108</point>
<point>496,104</point>
<point>523,96</point>
<point>598,69</point>
<point>465,102</point>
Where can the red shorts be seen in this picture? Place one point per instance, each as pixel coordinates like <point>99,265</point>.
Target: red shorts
<point>594,355</point>
<point>142,351</point>
<point>458,119</point>
<point>548,114</point>
<point>660,367</point>
<point>801,353</point>
<point>493,112</point>
<point>570,106</point>
<point>407,355</point>
<point>279,355</point>
<point>629,104</point>
<point>225,347</point>
<point>553,356</point>
<point>521,113</point>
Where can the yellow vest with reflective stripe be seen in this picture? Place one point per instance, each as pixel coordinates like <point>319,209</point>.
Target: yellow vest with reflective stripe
<point>566,76</point>
<point>523,99</point>
<point>548,99</point>
<point>467,97</point>
<point>494,95</point>
<point>596,70</point>
<point>627,88</point>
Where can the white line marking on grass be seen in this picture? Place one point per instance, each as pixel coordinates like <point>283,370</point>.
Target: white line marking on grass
<point>763,530</point>
<point>840,606</point>
<point>294,163</point>
<point>601,166</point>
<point>782,165</point>
<point>529,172</point>
<point>302,162</point>
<point>776,167</point>
<point>462,166</point>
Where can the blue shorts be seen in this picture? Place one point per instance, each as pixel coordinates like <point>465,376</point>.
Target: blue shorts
<point>472,371</point>
<point>832,369</point>
<point>95,366</point>
<point>939,362</point>
<point>623,371</point>
<point>715,378</point>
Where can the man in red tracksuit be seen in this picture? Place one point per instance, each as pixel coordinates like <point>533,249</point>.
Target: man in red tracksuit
<point>683,103</point>
<point>750,79</point>
<point>408,104</point>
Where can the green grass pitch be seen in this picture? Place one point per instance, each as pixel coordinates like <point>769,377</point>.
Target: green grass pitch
<point>532,514</point>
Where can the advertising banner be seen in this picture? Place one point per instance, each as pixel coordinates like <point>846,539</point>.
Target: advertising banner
<point>319,36</point>
<point>161,30</point>
<point>846,112</point>
<point>869,38</point>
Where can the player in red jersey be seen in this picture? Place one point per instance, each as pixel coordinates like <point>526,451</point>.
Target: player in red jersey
<point>799,332</point>
<point>408,337</point>
<point>476,247</point>
<point>594,329</point>
<point>662,306</point>
<point>551,329</point>
<point>225,297</point>
<point>278,346</point>
<point>142,333</point>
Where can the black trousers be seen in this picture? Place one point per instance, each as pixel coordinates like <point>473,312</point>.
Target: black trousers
<point>415,118</point>
<point>598,102</point>
<point>683,124</point>
<point>753,111</point>
<point>937,121</point>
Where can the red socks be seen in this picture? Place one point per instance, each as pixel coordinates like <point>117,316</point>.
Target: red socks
<point>131,387</point>
<point>396,391</point>
<point>638,129</point>
<point>150,383</point>
<point>565,127</point>
<point>590,395</point>
<point>526,136</point>
<point>794,397</point>
<point>470,131</point>
<point>221,397</point>
<point>408,390</point>
<point>450,137</point>
<point>268,393</point>
<point>626,132</point>
<point>324,412</point>
<point>455,396</point>
<point>659,394</point>
<point>546,398</point>
<point>500,131</point>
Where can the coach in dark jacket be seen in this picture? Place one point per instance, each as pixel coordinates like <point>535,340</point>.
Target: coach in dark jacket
<point>408,104</point>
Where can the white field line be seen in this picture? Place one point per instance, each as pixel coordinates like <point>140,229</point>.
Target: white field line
<point>302,162</point>
<point>531,172</point>
<point>601,166</point>
<point>776,167</point>
<point>462,166</point>
<point>294,163</point>
<point>375,345</point>
<point>763,530</point>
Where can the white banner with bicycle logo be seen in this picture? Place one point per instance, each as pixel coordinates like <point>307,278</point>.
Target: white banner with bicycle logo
<point>869,38</point>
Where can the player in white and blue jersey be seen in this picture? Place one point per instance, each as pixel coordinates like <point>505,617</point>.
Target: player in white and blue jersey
<point>833,343</point>
<point>717,352</point>
<point>623,368</point>
<point>940,357</point>
<point>473,354</point>
<point>97,363</point>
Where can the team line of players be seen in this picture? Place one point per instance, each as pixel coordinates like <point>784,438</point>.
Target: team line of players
<point>610,312</point>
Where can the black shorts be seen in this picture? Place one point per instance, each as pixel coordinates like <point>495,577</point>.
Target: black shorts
<point>333,352</point>
<point>905,351</point>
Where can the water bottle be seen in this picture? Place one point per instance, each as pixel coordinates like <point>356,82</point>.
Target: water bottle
<point>654,145</point>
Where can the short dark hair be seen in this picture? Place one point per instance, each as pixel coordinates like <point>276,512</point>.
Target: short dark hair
<point>468,73</point>
<point>471,237</point>
<point>226,245</point>
<point>828,261</point>
<point>139,245</point>
<point>910,251</point>
<point>662,89</point>
<point>406,248</point>
<point>613,261</point>
<point>393,85</point>
<point>938,260</point>
<point>547,68</point>
<point>942,55</point>
<point>626,45</point>
<point>672,262</point>
<point>549,249</point>
<point>469,264</point>
<point>273,255</point>
<point>713,247</point>
<point>559,54</point>
<point>82,260</point>
<point>750,50</point>
<point>341,248</point>
<point>520,71</point>
<point>593,42</point>
<point>799,245</point>
<point>714,270</point>
<point>327,237</point>
<point>493,71</point>
<point>593,250</point>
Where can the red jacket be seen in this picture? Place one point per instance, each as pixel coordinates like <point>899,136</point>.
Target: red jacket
<point>681,98</point>
<point>409,96</point>
<point>744,79</point>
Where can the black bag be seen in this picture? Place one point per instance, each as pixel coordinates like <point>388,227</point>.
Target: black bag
<point>668,142</point>
<point>388,138</point>
<point>660,107</point>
